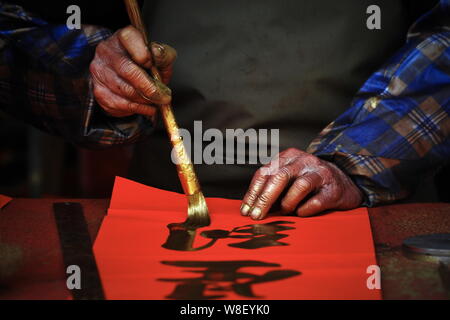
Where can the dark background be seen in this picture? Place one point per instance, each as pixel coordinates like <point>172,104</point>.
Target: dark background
<point>35,164</point>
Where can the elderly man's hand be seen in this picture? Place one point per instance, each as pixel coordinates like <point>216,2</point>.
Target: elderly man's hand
<point>122,87</point>
<point>314,185</point>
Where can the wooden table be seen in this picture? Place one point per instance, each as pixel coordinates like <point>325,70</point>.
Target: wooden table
<point>32,265</point>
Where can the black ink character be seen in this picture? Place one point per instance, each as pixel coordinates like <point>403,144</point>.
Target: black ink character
<point>217,278</point>
<point>259,235</point>
<point>181,238</point>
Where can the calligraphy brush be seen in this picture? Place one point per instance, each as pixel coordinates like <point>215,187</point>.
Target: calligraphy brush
<point>198,215</point>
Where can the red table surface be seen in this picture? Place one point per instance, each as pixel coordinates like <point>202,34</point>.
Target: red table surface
<point>34,267</point>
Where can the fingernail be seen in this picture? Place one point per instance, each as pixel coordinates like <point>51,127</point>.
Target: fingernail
<point>157,50</point>
<point>255,213</point>
<point>165,94</point>
<point>164,89</point>
<point>125,33</point>
<point>244,209</point>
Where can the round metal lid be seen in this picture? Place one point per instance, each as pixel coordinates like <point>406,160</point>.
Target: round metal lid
<point>429,244</point>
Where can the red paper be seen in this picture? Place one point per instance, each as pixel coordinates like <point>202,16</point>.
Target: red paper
<point>4,200</point>
<point>323,257</point>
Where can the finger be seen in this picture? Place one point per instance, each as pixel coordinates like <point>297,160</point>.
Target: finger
<point>256,185</point>
<point>315,205</point>
<point>259,180</point>
<point>108,78</point>
<point>164,57</point>
<point>301,188</point>
<point>153,90</point>
<point>133,42</point>
<point>272,190</point>
<point>118,106</point>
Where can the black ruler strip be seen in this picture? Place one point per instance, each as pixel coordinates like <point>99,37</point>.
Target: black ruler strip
<point>76,248</point>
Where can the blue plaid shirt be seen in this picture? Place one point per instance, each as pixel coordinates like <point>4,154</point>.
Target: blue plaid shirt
<point>396,128</point>
<point>45,80</point>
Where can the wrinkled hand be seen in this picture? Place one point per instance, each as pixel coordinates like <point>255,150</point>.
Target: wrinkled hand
<point>122,86</point>
<point>314,185</point>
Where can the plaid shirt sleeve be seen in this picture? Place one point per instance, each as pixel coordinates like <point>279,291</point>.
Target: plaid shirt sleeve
<point>45,80</point>
<point>397,128</point>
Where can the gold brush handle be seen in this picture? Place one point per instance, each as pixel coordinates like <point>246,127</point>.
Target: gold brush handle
<point>185,168</point>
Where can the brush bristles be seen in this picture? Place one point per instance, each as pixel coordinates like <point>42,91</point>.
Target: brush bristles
<point>198,214</point>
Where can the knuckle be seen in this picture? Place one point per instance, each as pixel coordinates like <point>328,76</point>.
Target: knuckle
<point>264,199</point>
<point>251,195</point>
<point>126,89</point>
<point>303,184</point>
<point>322,174</point>
<point>103,50</point>
<point>127,68</point>
<point>284,173</point>
<point>249,199</point>
<point>280,177</point>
